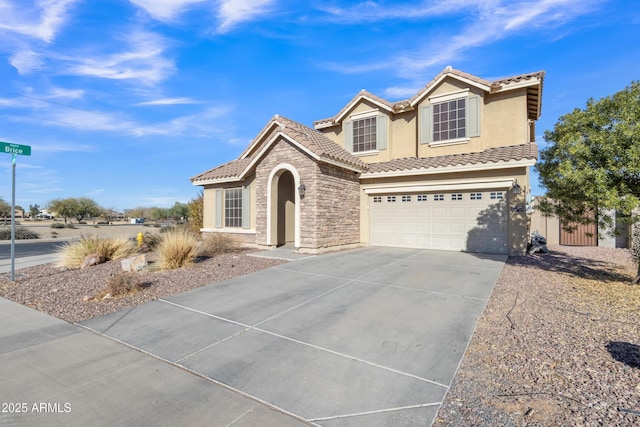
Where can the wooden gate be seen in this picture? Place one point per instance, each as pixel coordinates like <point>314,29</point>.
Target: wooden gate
<point>582,235</point>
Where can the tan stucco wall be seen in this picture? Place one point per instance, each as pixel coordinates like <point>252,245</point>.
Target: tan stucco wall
<point>503,122</point>
<point>209,202</point>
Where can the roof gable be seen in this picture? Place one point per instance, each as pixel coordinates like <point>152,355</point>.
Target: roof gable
<point>314,143</point>
<point>531,81</point>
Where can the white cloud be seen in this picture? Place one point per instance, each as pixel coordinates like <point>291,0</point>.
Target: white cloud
<point>58,92</point>
<point>169,101</point>
<point>26,61</point>
<point>144,61</point>
<point>40,22</point>
<point>233,12</point>
<point>165,10</point>
<point>200,124</point>
<point>397,93</point>
<point>485,21</point>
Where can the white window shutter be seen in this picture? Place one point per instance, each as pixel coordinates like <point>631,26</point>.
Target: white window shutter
<point>426,125</point>
<point>473,116</point>
<point>246,219</point>
<point>348,136</point>
<point>219,207</point>
<point>381,131</point>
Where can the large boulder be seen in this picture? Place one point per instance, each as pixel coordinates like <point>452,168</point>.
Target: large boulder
<point>134,263</point>
<point>92,259</point>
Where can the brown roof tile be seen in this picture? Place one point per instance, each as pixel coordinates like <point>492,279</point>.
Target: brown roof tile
<point>318,143</point>
<point>490,155</point>
<point>314,141</point>
<point>232,169</point>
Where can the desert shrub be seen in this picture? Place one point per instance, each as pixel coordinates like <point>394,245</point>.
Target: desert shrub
<point>124,283</point>
<point>178,248</point>
<point>218,243</point>
<point>57,225</point>
<point>167,228</point>
<point>22,233</point>
<point>74,253</point>
<point>69,225</point>
<point>152,240</point>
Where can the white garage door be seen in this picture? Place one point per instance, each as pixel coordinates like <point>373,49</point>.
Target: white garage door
<point>458,221</point>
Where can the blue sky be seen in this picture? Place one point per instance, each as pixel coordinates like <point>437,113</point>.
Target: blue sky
<point>123,101</point>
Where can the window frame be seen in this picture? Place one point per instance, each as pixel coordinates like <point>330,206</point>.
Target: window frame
<point>233,217</point>
<point>369,134</point>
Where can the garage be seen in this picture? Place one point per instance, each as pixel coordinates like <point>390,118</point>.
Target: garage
<point>472,221</point>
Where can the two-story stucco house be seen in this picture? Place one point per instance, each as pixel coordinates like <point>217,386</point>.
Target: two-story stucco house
<point>447,169</point>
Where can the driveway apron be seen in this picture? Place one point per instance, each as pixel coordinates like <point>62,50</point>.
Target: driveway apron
<point>366,337</point>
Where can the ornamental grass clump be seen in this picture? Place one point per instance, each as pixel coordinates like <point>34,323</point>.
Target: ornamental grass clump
<point>178,248</point>
<point>22,233</point>
<point>73,254</point>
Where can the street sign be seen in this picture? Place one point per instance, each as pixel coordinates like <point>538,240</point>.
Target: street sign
<point>7,147</point>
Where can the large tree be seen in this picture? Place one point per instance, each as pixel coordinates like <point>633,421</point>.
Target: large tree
<point>78,208</point>
<point>591,167</point>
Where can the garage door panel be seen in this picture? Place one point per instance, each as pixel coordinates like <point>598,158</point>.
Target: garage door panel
<point>476,225</point>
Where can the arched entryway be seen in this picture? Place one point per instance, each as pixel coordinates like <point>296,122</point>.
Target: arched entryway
<point>283,207</point>
<point>286,210</point>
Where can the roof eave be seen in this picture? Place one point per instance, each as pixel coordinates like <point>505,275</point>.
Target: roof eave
<point>447,169</point>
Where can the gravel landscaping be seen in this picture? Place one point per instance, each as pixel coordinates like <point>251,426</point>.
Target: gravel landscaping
<point>71,295</point>
<point>558,342</point>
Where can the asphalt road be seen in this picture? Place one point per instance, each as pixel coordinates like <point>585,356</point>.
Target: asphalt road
<point>29,249</point>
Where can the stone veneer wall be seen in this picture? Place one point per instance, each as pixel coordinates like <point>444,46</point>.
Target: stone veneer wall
<point>329,213</point>
<point>338,207</point>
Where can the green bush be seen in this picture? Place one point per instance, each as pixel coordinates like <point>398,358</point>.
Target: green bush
<point>178,248</point>
<point>22,233</point>
<point>57,225</point>
<point>69,225</point>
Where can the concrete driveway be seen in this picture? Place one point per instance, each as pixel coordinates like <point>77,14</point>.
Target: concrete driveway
<point>367,337</point>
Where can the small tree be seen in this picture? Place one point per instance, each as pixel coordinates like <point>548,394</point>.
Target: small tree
<point>66,208</point>
<point>34,210</point>
<point>5,210</point>
<point>196,212</point>
<point>87,208</point>
<point>591,168</point>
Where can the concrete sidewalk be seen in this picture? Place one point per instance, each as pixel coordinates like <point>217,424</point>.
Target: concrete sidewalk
<point>58,374</point>
<point>28,261</point>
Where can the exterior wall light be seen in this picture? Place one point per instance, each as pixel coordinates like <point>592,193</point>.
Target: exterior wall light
<point>516,188</point>
<point>301,190</point>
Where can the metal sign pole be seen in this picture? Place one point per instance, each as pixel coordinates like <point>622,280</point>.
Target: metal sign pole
<point>13,217</point>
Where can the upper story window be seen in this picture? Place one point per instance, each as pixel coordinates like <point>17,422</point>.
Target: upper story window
<point>364,134</point>
<point>449,120</point>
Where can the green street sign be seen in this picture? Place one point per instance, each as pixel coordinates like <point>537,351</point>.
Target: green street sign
<point>9,148</point>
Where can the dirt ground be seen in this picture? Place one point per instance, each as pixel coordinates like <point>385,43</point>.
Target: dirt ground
<point>116,229</point>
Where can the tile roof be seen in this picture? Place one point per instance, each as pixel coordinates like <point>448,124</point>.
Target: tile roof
<point>232,169</point>
<point>490,155</point>
<point>399,106</point>
<point>318,143</point>
<point>311,139</point>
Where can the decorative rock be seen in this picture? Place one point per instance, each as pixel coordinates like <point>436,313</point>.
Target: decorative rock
<point>92,259</point>
<point>135,263</point>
